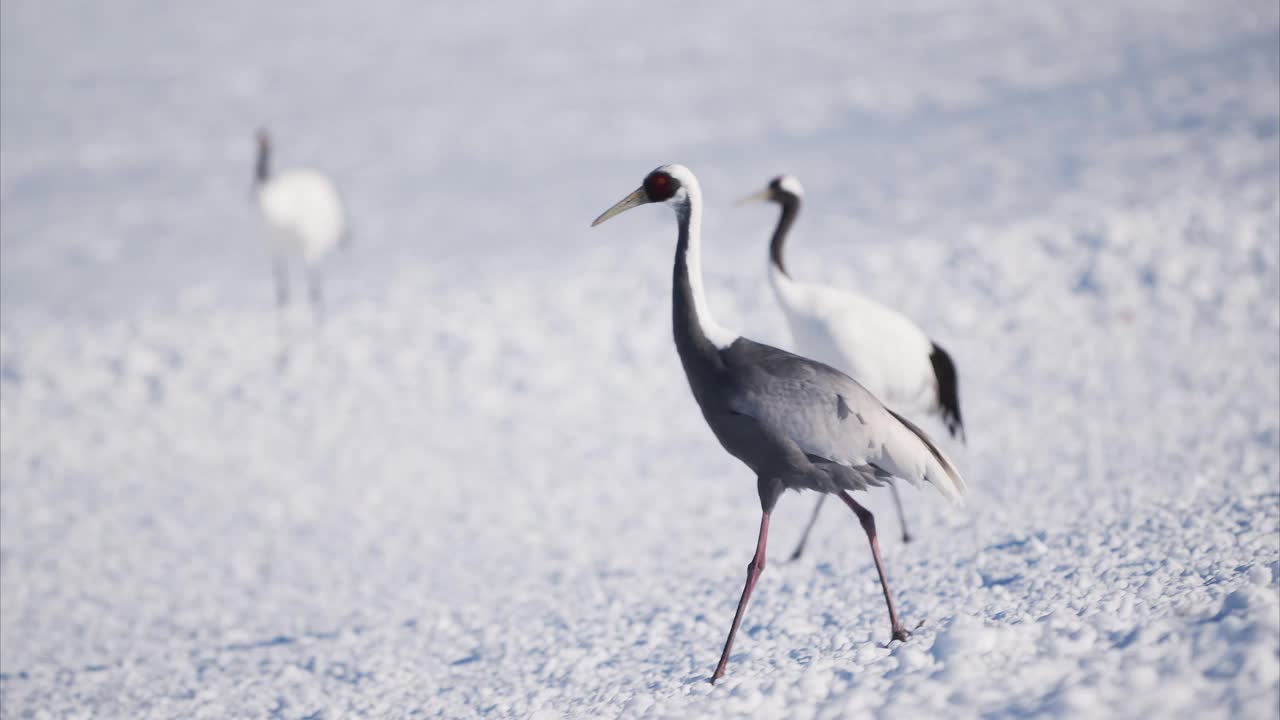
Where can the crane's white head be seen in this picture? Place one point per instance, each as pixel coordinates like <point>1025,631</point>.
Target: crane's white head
<point>779,190</point>
<point>787,184</point>
<point>670,184</point>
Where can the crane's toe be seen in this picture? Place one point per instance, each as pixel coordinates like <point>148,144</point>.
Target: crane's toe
<point>900,634</point>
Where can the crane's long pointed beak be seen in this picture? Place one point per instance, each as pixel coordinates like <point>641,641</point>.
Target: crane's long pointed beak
<point>625,204</point>
<point>761,196</point>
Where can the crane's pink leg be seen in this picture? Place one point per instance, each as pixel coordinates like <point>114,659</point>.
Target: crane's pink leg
<point>902,517</point>
<point>813,520</point>
<point>754,568</point>
<point>869,526</point>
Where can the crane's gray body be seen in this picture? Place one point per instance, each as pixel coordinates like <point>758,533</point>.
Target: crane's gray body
<point>796,422</point>
<point>748,375</point>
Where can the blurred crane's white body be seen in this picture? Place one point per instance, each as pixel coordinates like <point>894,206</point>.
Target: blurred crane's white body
<point>303,220</point>
<point>302,215</point>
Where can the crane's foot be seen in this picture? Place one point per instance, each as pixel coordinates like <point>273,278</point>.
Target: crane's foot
<point>906,537</point>
<point>796,555</point>
<point>900,634</point>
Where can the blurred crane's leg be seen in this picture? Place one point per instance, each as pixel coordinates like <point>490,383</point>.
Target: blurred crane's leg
<point>813,520</point>
<point>280,269</point>
<point>869,526</point>
<point>316,295</point>
<point>902,517</point>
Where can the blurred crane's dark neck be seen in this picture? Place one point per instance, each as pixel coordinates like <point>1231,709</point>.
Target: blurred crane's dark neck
<point>262,169</point>
<point>790,209</point>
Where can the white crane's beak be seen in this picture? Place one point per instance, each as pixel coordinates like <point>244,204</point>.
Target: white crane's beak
<point>763,196</point>
<point>634,199</point>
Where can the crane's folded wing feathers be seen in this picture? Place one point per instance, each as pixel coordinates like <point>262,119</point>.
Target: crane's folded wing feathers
<point>829,415</point>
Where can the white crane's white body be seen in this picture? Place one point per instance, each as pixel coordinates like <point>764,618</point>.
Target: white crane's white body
<point>884,351</point>
<point>879,347</point>
<point>302,215</point>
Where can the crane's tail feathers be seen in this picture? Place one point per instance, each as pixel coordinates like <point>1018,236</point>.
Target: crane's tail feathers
<point>948,381</point>
<point>941,474</point>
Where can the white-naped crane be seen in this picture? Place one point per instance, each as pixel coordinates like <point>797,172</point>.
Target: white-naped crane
<point>879,347</point>
<point>303,219</point>
<point>797,423</point>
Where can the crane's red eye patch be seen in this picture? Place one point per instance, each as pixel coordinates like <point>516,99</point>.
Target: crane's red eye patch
<point>660,186</point>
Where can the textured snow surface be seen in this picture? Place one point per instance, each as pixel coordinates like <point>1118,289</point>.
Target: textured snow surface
<point>482,488</point>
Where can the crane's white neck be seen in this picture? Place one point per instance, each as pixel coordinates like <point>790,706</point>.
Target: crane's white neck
<point>689,215</point>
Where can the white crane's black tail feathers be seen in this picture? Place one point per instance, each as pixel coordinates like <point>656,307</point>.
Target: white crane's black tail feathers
<point>944,372</point>
<point>948,481</point>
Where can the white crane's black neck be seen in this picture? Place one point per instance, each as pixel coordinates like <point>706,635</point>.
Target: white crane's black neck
<point>790,209</point>
<point>262,169</point>
<point>698,336</point>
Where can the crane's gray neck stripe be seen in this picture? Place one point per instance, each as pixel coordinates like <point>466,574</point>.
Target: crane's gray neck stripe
<point>689,249</point>
<point>697,353</point>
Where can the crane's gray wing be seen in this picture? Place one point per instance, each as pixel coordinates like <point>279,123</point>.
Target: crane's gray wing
<point>829,415</point>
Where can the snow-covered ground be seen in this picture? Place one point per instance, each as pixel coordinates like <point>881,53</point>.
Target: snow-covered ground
<point>482,489</point>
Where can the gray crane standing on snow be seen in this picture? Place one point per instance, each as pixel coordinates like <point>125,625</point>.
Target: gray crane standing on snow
<point>795,422</point>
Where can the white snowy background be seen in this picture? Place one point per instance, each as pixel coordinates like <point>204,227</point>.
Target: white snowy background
<point>483,489</point>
